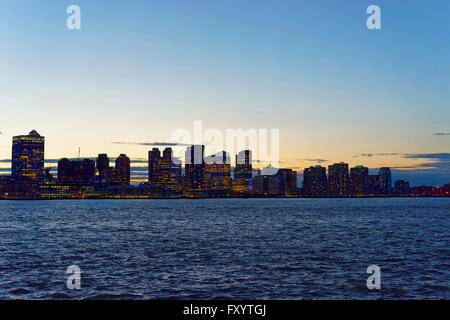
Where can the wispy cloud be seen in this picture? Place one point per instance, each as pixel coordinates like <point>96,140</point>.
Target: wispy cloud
<point>441,134</point>
<point>316,160</point>
<point>369,155</point>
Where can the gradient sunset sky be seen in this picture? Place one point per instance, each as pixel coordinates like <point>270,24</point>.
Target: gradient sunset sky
<point>138,70</point>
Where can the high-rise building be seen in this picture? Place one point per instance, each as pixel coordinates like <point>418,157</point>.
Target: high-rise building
<point>122,171</point>
<point>268,185</point>
<point>165,172</point>
<point>28,157</point>
<point>359,181</point>
<point>373,185</point>
<point>338,179</point>
<point>104,173</point>
<point>402,188</point>
<point>102,164</point>
<point>195,169</point>
<point>218,174</point>
<point>153,157</point>
<point>315,181</point>
<point>385,181</point>
<point>289,179</point>
<point>75,172</point>
<point>243,172</point>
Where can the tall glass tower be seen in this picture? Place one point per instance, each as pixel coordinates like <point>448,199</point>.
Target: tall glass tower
<point>28,157</point>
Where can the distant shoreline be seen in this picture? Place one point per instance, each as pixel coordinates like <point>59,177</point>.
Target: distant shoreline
<point>203,198</point>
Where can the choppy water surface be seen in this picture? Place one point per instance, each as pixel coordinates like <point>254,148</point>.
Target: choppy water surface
<point>225,248</point>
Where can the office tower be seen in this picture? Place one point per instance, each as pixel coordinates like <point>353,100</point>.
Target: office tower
<point>402,188</point>
<point>268,185</point>
<point>289,179</point>
<point>76,172</point>
<point>359,181</point>
<point>122,171</point>
<point>102,164</point>
<point>315,182</point>
<point>338,179</point>
<point>195,169</point>
<point>385,181</point>
<point>243,172</point>
<point>153,157</point>
<point>166,173</point>
<point>373,188</point>
<point>218,174</point>
<point>28,157</point>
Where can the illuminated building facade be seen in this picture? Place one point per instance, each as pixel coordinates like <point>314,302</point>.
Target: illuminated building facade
<point>164,171</point>
<point>338,180</point>
<point>385,181</point>
<point>195,169</point>
<point>268,185</point>
<point>122,171</point>
<point>28,157</point>
<point>373,185</point>
<point>315,182</point>
<point>153,157</point>
<point>289,179</point>
<point>218,174</point>
<point>243,172</point>
<point>359,181</point>
<point>76,172</point>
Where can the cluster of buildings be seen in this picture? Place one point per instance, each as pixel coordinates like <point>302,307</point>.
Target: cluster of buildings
<point>202,176</point>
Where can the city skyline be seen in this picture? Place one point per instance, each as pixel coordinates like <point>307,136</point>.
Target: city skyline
<point>204,175</point>
<point>336,90</point>
<point>139,166</point>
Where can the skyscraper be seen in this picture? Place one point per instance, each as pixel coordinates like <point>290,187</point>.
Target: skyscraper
<point>359,181</point>
<point>289,179</point>
<point>75,172</point>
<point>122,171</point>
<point>402,188</point>
<point>153,157</point>
<point>374,185</point>
<point>165,172</point>
<point>218,174</point>
<point>102,164</point>
<point>385,181</point>
<point>338,179</point>
<point>195,169</point>
<point>268,185</point>
<point>243,172</point>
<point>315,181</point>
<point>28,157</point>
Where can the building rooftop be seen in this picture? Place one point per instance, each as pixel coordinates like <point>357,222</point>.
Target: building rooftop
<point>34,133</point>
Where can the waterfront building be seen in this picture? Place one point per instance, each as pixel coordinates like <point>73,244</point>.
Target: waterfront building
<point>164,172</point>
<point>102,164</point>
<point>28,157</point>
<point>218,174</point>
<point>373,188</point>
<point>195,169</point>
<point>338,180</point>
<point>153,157</point>
<point>359,181</point>
<point>402,188</point>
<point>122,171</point>
<point>76,172</point>
<point>268,185</point>
<point>315,181</point>
<point>385,181</point>
<point>243,172</point>
<point>289,180</point>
